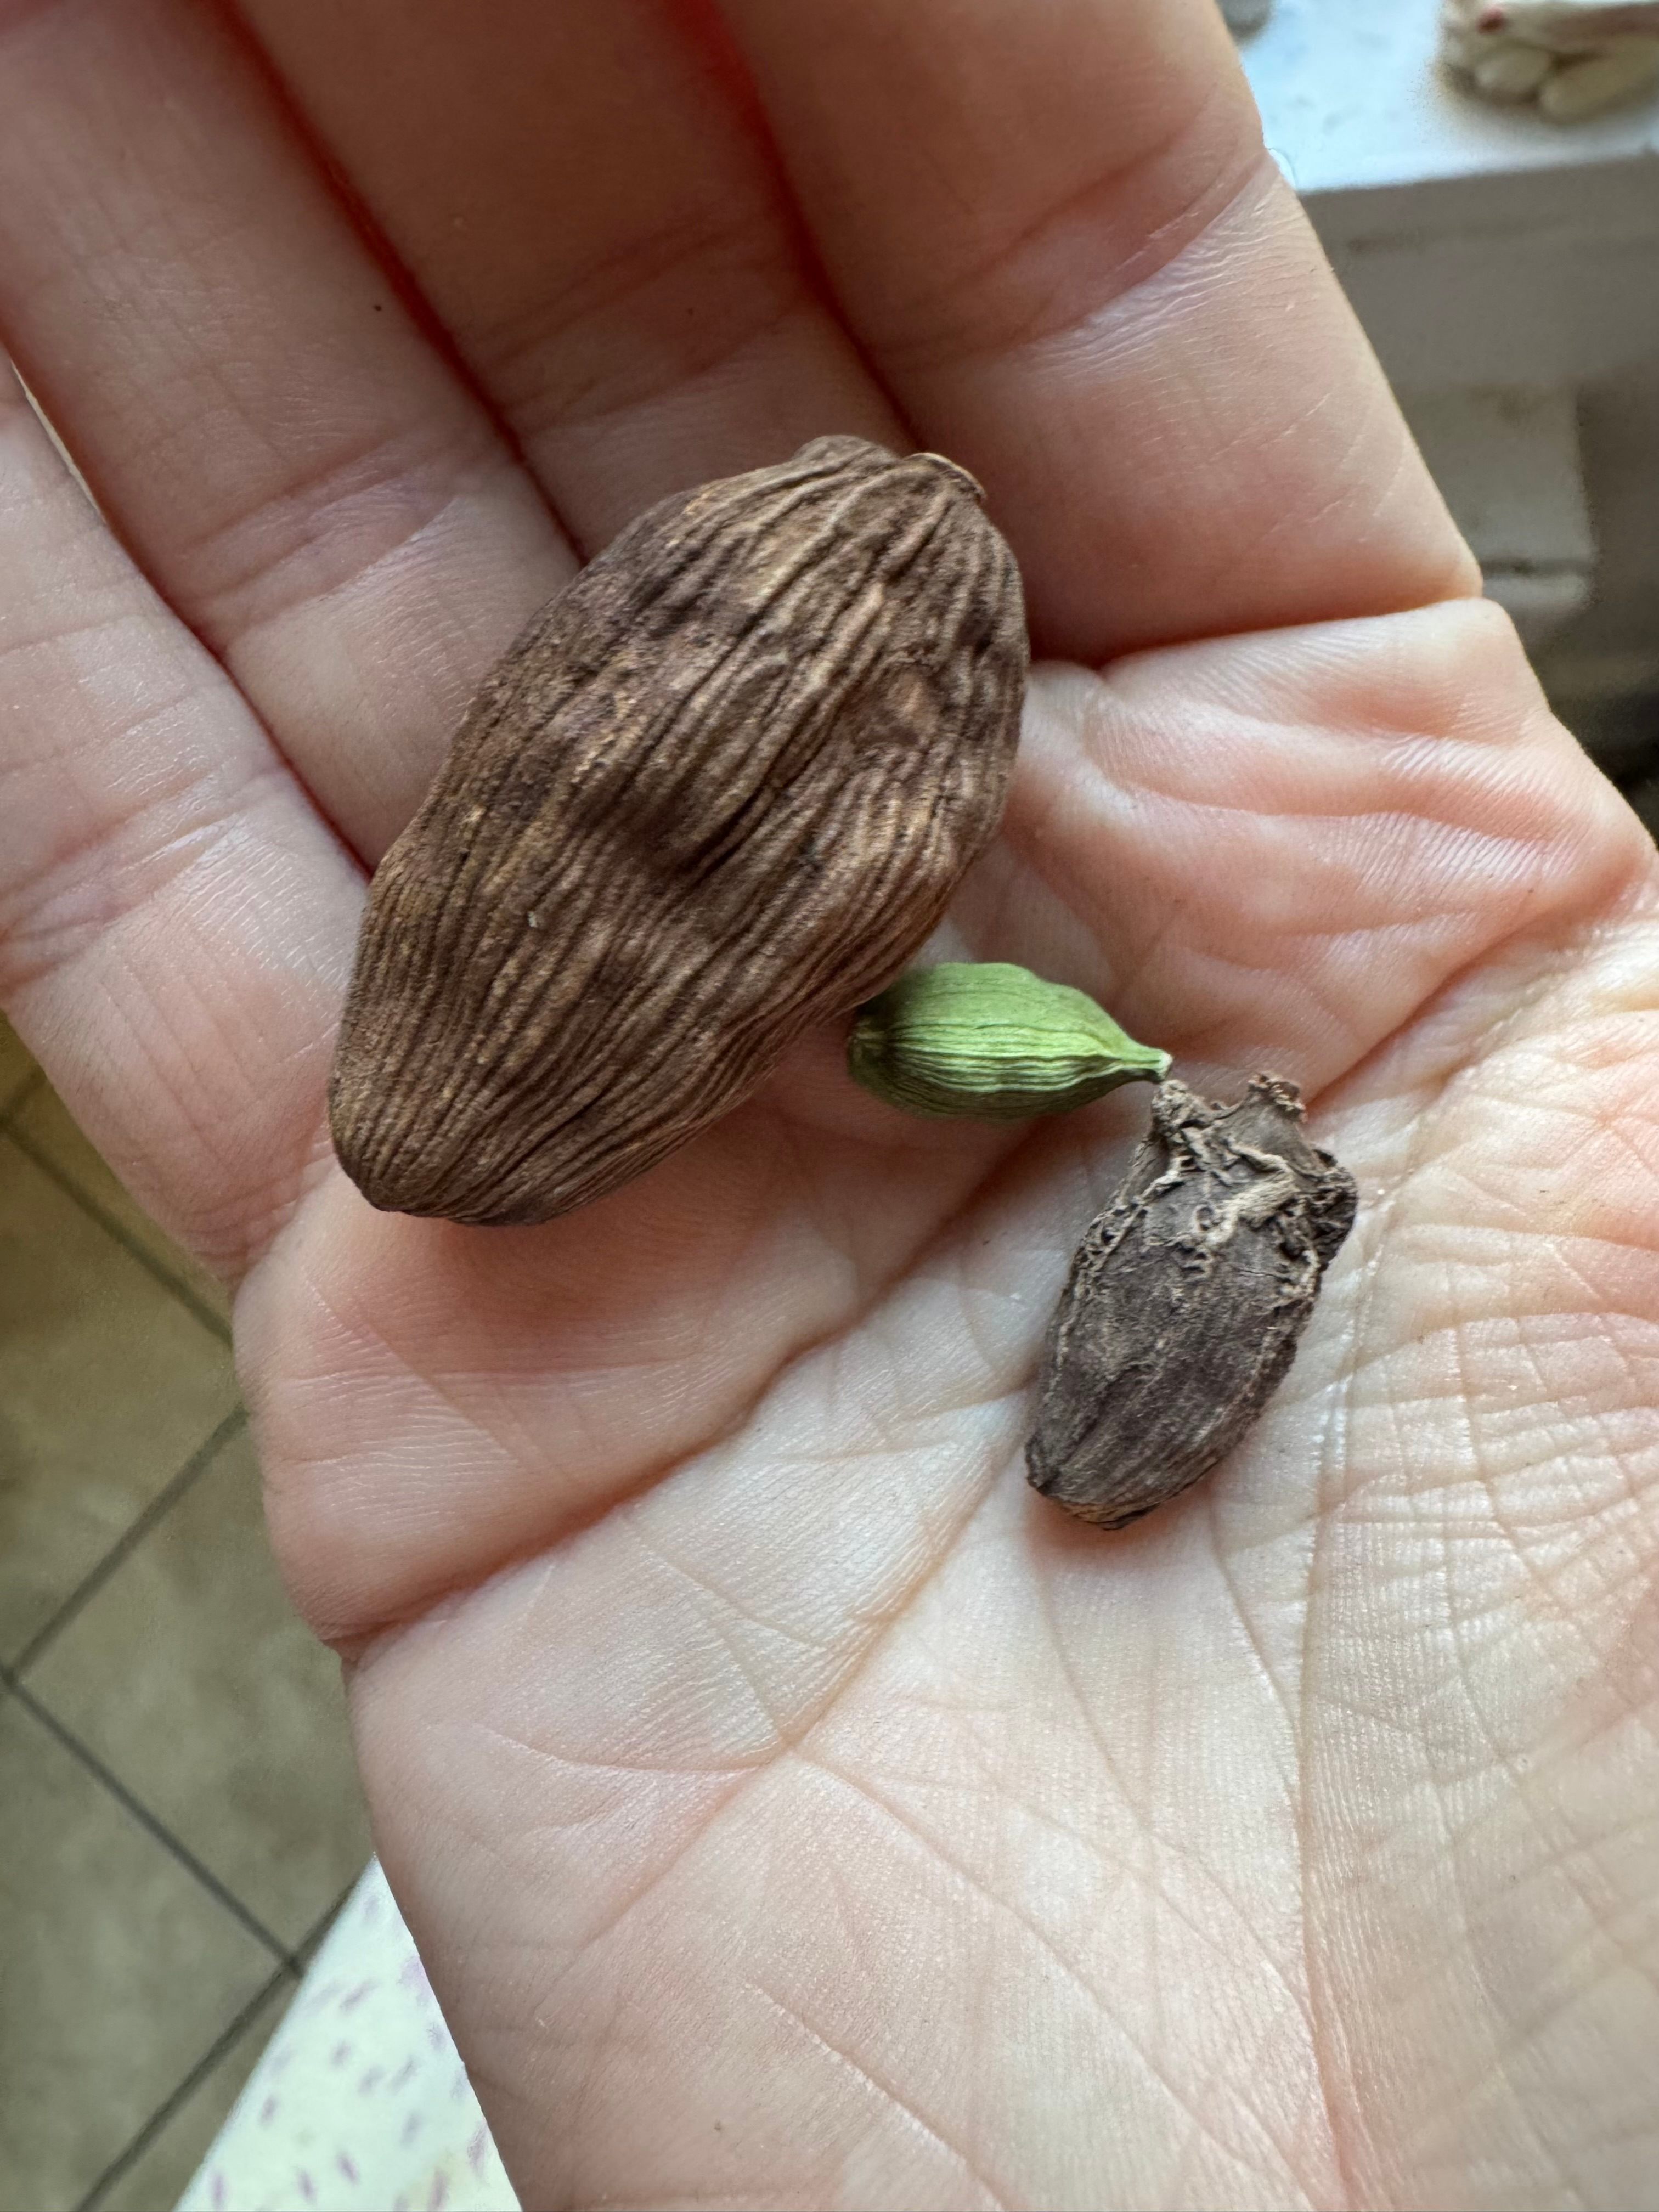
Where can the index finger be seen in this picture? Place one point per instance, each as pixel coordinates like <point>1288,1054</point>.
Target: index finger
<point>1055,232</point>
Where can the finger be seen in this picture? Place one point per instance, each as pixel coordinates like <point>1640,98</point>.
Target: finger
<point>175,922</point>
<point>577,194</point>
<point>299,475</point>
<point>1057,236</point>
<point>1274,851</point>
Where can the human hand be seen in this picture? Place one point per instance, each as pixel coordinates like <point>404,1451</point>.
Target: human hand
<point>790,1809</point>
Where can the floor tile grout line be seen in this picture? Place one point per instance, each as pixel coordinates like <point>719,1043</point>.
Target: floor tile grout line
<point>292,1962</point>
<point>293,1970</point>
<point>20,1098</point>
<point>126,1543</point>
<point>37,1153</point>
<point>154,1828</point>
<point>307,1947</point>
<point>220,2049</point>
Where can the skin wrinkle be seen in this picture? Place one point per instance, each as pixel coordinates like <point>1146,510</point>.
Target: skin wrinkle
<point>120,230</point>
<point>1122,2035</point>
<point>1265,2055</point>
<point>992,2194</point>
<point>74,947</point>
<point>1567,1261</point>
<point>392,468</point>
<point>652,1880</point>
<point>361,1334</point>
<point>1156,1893</point>
<point>100,893</point>
<point>95,626</point>
<point>1241,683</point>
<point>1111,1766</point>
<point>1583,1964</point>
<point>717,1611</point>
<point>182,1027</point>
<point>1331,2041</point>
<point>331,522</point>
<point>1478,957</point>
<point>1365,829</point>
<point>1496,1752</point>
<point>1344,2133</point>
<point>1537,1576</point>
<point>544,1756</point>
<point>793,1735</point>
<point>1501,1755</point>
<point>1312,407</point>
<point>1133,1873</point>
<point>698,1332</point>
<point>1557,1851</point>
<point>1339,503</point>
<point>797,1140</point>
<point>1439,1092</point>
<point>693,250</point>
<point>596,401</point>
<point>205,784</point>
<point>1490,2059</point>
<point>1212,1507</point>
<point>1522,2116</point>
<point>952,342</point>
<point>403,550</point>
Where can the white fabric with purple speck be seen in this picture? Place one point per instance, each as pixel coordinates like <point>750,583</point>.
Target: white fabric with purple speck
<point>359,2102</point>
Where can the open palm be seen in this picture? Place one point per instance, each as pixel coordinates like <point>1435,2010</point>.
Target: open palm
<point>792,1810</point>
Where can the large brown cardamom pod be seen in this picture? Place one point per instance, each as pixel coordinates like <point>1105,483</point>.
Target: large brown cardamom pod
<point>1186,1300</point>
<point>721,788</point>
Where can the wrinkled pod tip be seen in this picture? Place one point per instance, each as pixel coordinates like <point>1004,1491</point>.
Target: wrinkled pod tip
<point>1282,1092</point>
<point>943,464</point>
<point>1177,1105</point>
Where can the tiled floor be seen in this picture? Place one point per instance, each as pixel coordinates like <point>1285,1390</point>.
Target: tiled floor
<point>178,1814</point>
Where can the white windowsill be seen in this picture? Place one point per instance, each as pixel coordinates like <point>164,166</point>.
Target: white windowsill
<point>1351,99</point>
<point>1480,245</point>
<point>1506,269</point>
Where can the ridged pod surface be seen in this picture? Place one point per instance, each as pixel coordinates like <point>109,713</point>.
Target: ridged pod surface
<point>1185,1301</point>
<point>720,788</point>
<point>987,1040</point>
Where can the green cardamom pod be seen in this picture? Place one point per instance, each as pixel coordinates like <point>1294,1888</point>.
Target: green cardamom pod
<point>992,1042</point>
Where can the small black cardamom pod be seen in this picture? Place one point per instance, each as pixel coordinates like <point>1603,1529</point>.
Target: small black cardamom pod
<point>1185,1300</point>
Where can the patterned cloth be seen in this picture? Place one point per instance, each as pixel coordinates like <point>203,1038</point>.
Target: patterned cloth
<point>360,2102</point>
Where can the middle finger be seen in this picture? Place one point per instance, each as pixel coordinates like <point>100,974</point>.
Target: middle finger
<point>577,191</point>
